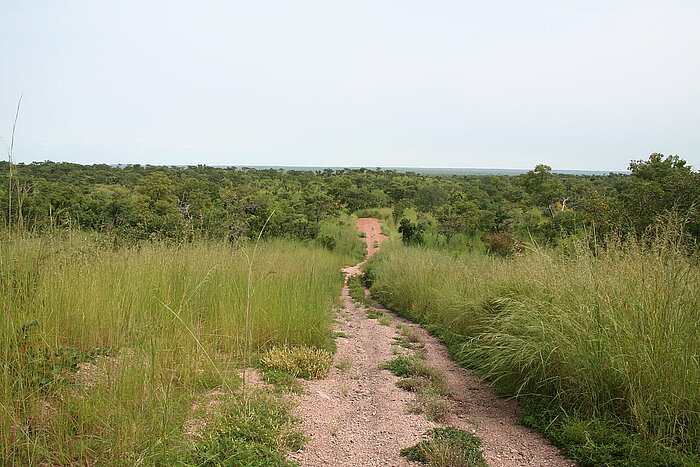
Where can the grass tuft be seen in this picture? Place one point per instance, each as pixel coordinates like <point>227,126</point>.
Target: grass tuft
<point>344,364</point>
<point>282,381</point>
<point>301,362</point>
<point>428,383</point>
<point>356,288</point>
<point>384,319</point>
<point>447,447</point>
<point>411,335</point>
<point>258,431</point>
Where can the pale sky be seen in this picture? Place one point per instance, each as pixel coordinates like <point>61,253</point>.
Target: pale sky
<point>434,83</point>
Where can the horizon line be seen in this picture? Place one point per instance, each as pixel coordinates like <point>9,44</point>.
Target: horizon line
<point>309,166</point>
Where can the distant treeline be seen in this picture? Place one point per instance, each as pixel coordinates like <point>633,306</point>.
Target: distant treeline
<point>183,203</point>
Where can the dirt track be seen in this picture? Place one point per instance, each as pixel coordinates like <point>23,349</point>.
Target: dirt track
<point>358,417</point>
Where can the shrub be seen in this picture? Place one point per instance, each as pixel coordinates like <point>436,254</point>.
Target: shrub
<point>328,242</point>
<point>502,244</point>
<point>411,234</point>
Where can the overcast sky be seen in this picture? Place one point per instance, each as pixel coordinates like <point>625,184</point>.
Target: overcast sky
<point>434,83</point>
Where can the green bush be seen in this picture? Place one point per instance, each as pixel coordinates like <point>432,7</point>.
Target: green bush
<point>328,242</point>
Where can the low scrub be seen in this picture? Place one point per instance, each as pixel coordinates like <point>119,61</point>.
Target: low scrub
<point>502,244</point>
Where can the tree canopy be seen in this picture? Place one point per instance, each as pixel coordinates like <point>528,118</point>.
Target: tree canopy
<point>181,203</point>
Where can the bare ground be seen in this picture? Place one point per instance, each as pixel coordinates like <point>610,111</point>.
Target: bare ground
<point>358,417</point>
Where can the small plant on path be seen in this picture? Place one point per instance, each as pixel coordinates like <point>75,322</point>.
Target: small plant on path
<point>384,320</point>
<point>428,383</point>
<point>447,447</point>
<point>302,362</point>
<point>411,335</point>
<point>344,364</point>
<point>357,290</point>
<point>258,432</point>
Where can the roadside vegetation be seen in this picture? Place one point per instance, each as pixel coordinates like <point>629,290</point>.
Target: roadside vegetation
<point>594,329</point>
<point>106,350</point>
<point>256,431</point>
<point>601,345</point>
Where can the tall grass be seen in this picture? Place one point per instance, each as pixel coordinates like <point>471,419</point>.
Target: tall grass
<point>347,242</point>
<point>162,325</point>
<point>615,336</point>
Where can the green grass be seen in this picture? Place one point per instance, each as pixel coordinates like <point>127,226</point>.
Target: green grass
<point>384,319</point>
<point>411,336</point>
<point>105,350</point>
<point>257,432</point>
<point>301,362</point>
<point>282,381</point>
<point>357,288</point>
<point>401,342</point>
<point>344,364</point>
<point>347,243</point>
<point>447,447</point>
<point>608,341</point>
<point>413,369</point>
<point>374,313</point>
<point>428,383</point>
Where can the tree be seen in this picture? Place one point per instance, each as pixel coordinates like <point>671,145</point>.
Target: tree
<point>463,216</point>
<point>657,167</point>
<point>659,185</point>
<point>430,196</point>
<point>543,187</point>
<point>317,204</point>
<point>411,234</point>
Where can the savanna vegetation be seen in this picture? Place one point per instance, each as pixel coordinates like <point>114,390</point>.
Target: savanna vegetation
<point>597,333</point>
<point>604,348</point>
<point>134,297</point>
<point>106,351</point>
<point>181,204</point>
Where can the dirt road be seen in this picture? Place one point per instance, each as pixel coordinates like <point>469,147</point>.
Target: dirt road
<point>358,417</point>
